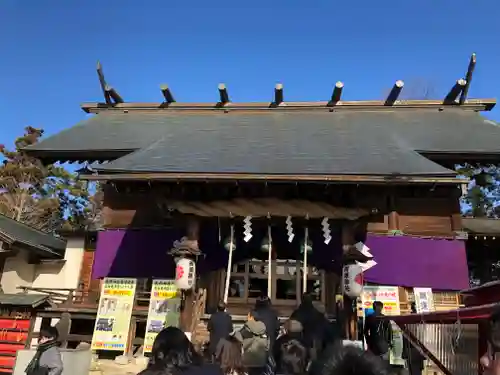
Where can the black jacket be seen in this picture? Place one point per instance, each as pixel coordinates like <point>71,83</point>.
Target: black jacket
<point>280,344</point>
<point>378,335</point>
<point>269,317</point>
<point>220,326</point>
<point>204,369</point>
<point>314,324</point>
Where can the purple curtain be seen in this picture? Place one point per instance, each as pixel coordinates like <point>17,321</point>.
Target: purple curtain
<point>403,261</point>
<point>418,262</point>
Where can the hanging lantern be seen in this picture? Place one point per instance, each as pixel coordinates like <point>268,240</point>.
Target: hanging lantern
<point>227,244</point>
<point>309,247</point>
<point>352,280</point>
<point>265,245</point>
<point>185,273</point>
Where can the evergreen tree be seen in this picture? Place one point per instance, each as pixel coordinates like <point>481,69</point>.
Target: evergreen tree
<point>47,197</point>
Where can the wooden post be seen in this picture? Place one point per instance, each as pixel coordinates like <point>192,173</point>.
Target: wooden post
<point>192,231</point>
<point>393,219</point>
<point>350,313</point>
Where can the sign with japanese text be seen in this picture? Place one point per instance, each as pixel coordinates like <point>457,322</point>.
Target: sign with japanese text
<point>163,312</point>
<point>424,300</point>
<point>114,313</point>
<point>388,295</point>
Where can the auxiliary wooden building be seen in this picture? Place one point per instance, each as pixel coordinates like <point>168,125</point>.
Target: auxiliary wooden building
<point>337,172</point>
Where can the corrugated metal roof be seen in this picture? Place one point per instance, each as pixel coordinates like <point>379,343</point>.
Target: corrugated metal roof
<point>301,142</point>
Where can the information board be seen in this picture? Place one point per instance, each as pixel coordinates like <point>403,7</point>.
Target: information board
<point>114,313</point>
<point>164,307</point>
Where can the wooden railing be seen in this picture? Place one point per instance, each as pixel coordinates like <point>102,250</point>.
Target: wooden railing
<point>63,297</point>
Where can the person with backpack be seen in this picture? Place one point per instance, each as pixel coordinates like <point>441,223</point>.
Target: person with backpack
<point>378,332</point>
<point>255,344</point>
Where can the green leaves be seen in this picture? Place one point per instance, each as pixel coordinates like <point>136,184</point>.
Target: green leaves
<point>49,197</point>
<point>483,196</point>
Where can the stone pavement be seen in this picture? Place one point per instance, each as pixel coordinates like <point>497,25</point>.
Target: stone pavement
<point>120,366</point>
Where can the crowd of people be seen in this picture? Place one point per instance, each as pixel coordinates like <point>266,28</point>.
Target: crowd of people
<point>306,344</point>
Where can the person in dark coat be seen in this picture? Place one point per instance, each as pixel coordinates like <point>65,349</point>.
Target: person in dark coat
<point>414,359</point>
<point>378,333</point>
<point>219,326</point>
<point>174,354</point>
<point>314,324</point>
<point>292,334</point>
<point>269,317</point>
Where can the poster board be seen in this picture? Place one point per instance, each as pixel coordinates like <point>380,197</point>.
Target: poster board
<point>164,310</point>
<point>424,300</point>
<point>114,313</point>
<point>389,296</point>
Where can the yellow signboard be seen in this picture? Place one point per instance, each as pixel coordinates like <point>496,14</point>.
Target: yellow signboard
<point>114,314</point>
<point>164,308</point>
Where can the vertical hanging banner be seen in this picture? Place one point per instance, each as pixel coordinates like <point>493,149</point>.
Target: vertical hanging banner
<point>164,310</point>
<point>424,300</point>
<point>389,296</point>
<point>114,313</point>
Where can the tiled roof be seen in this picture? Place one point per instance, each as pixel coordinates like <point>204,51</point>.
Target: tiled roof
<point>19,232</point>
<point>383,142</point>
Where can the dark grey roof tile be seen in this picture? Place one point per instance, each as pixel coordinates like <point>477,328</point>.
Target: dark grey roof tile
<point>25,234</point>
<point>300,142</point>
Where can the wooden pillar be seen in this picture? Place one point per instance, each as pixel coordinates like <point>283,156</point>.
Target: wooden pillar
<point>349,313</point>
<point>393,219</point>
<point>187,307</point>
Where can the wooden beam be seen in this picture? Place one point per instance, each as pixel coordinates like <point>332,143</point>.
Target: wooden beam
<point>224,96</point>
<point>102,82</point>
<point>401,180</point>
<point>337,93</point>
<point>395,92</point>
<point>452,96</point>
<point>468,78</point>
<point>354,105</point>
<point>113,94</point>
<point>278,94</point>
<point>110,94</point>
<point>167,94</point>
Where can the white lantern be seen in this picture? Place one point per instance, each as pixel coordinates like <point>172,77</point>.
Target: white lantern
<point>265,245</point>
<point>185,273</point>
<point>352,280</point>
<point>309,247</point>
<point>227,244</point>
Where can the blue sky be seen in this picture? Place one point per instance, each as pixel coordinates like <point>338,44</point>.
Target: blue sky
<point>49,51</point>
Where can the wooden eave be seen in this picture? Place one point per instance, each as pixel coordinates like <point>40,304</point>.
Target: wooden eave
<point>371,105</point>
<point>216,177</point>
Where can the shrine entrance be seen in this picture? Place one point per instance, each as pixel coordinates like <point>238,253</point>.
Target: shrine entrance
<point>250,279</point>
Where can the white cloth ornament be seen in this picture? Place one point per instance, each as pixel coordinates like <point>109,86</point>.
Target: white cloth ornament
<point>326,230</point>
<point>289,228</point>
<point>247,229</point>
